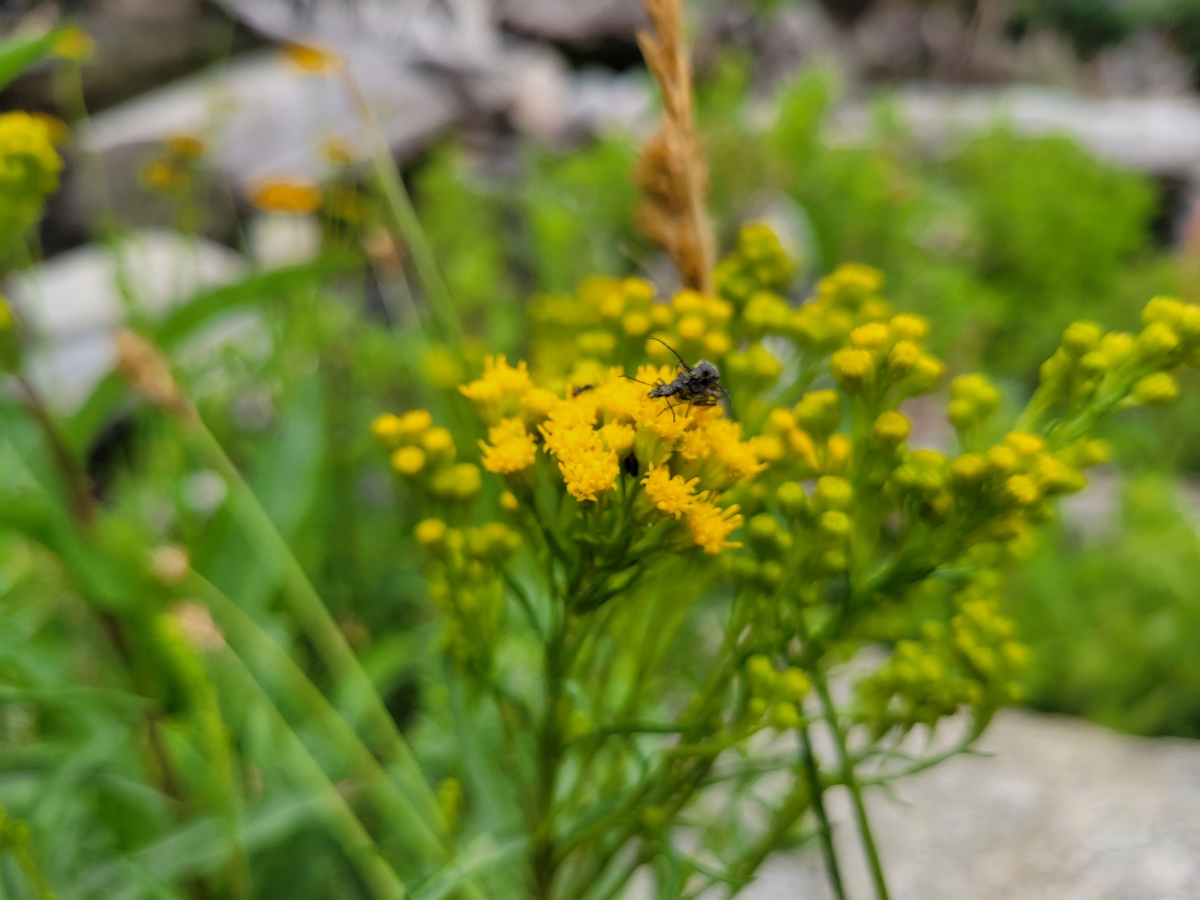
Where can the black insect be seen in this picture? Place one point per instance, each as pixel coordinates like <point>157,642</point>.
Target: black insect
<point>582,389</point>
<point>699,385</point>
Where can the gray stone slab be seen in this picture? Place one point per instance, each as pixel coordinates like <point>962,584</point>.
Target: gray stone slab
<point>1063,810</point>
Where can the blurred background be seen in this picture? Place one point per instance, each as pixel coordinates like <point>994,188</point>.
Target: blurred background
<point>1010,165</point>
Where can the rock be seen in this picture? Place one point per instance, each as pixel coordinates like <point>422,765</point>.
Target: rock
<point>1159,135</point>
<point>72,303</point>
<point>1063,810</point>
<point>264,118</point>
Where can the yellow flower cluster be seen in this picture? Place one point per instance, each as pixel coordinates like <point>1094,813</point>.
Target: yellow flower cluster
<point>1093,366</point>
<point>975,663</point>
<point>424,455</point>
<point>758,265</point>
<point>29,167</point>
<point>466,583</point>
<point>800,440</point>
<point>683,458</point>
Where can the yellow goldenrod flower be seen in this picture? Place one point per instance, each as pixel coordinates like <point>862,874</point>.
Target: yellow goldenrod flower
<point>909,328</point>
<point>903,358</point>
<point>414,423</point>
<point>670,494</point>
<point>509,501</point>
<point>438,443</point>
<point>75,44</point>
<point>1080,337</point>
<point>388,430</point>
<point>871,336</point>
<point>498,393</point>
<point>538,403</point>
<point>337,151</point>
<point>710,525</point>
<point>459,482</point>
<point>1155,390</point>
<point>510,448</point>
<point>1166,310</point>
<point>162,176</point>
<point>294,196</point>
<point>588,467</point>
<point>853,369</point>
<point>636,324</point>
<point>1022,490</point>
<point>408,460</point>
<point>185,146</point>
<point>430,531</point>
<point>892,428</point>
<point>313,59</point>
<point>29,167</point>
<point>617,437</point>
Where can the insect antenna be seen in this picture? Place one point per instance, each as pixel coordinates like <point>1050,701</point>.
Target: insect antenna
<point>646,383</point>
<point>672,349</point>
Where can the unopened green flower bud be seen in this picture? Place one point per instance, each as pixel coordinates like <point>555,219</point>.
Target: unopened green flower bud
<point>1164,310</point>
<point>1093,364</point>
<point>853,369</point>
<point>770,574</point>
<point>968,470</point>
<point>793,685</point>
<point>1156,340</point>
<point>761,673</point>
<point>833,493</point>
<point>834,524</point>
<point>791,498</point>
<point>891,429</point>
<point>1081,337</point>
<point>819,413</point>
<point>1116,347</point>
<point>1155,390</point>
<point>785,716</point>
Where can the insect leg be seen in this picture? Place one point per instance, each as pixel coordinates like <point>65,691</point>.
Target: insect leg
<point>670,407</point>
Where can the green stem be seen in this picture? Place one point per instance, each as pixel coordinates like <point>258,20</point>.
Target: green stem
<point>850,779</point>
<point>813,776</point>
<point>405,216</point>
<point>345,827</point>
<point>249,641</point>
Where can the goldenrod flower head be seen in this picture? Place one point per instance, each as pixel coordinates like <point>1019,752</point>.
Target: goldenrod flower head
<point>538,403</point>
<point>337,150</point>
<point>768,448</point>
<point>1021,490</point>
<point>1166,310</point>
<point>925,374</point>
<point>29,167</point>
<point>717,344</point>
<point>834,523</point>
<point>977,391</point>
<point>710,525</point>
<point>1055,477</point>
<point>691,328</point>
<point>508,500</point>
<point>1156,340</point>
<point>891,428</point>
<point>1003,459</point>
<point>617,437</point>
<point>459,482</point>
<point>588,467</point>
<point>904,357</point>
<point>388,430</point>
<point>819,412</point>
<point>185,146</point>
<point>510,448</point>
<point>837,453</point>
<point>294,196</point>
<point>1024,443</point>
<point>785,716</point>
<point>780,420</point>
<point>163,176</point>
<point>853,369</point>
<point>850,284</point>
<point>430,531</point>
<point>906,327</point>
<point>1116,347</point>
<point>833,493</point>
<point>1155,390</point>
<point>498,394</point>
<point>598,343</point>
<point>793,685</point>
<point>968,469</point>
<point>313,59</point>
<point>791,498</point>
<point>438,443</point>
<point>74,44</point>
<point>636,324</point>
<point>414,423</point>
<point>408,461</point>
<point>670,494</point>
<point>872,336</point>
<point>733,458</point>
<point>1081,337</point>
